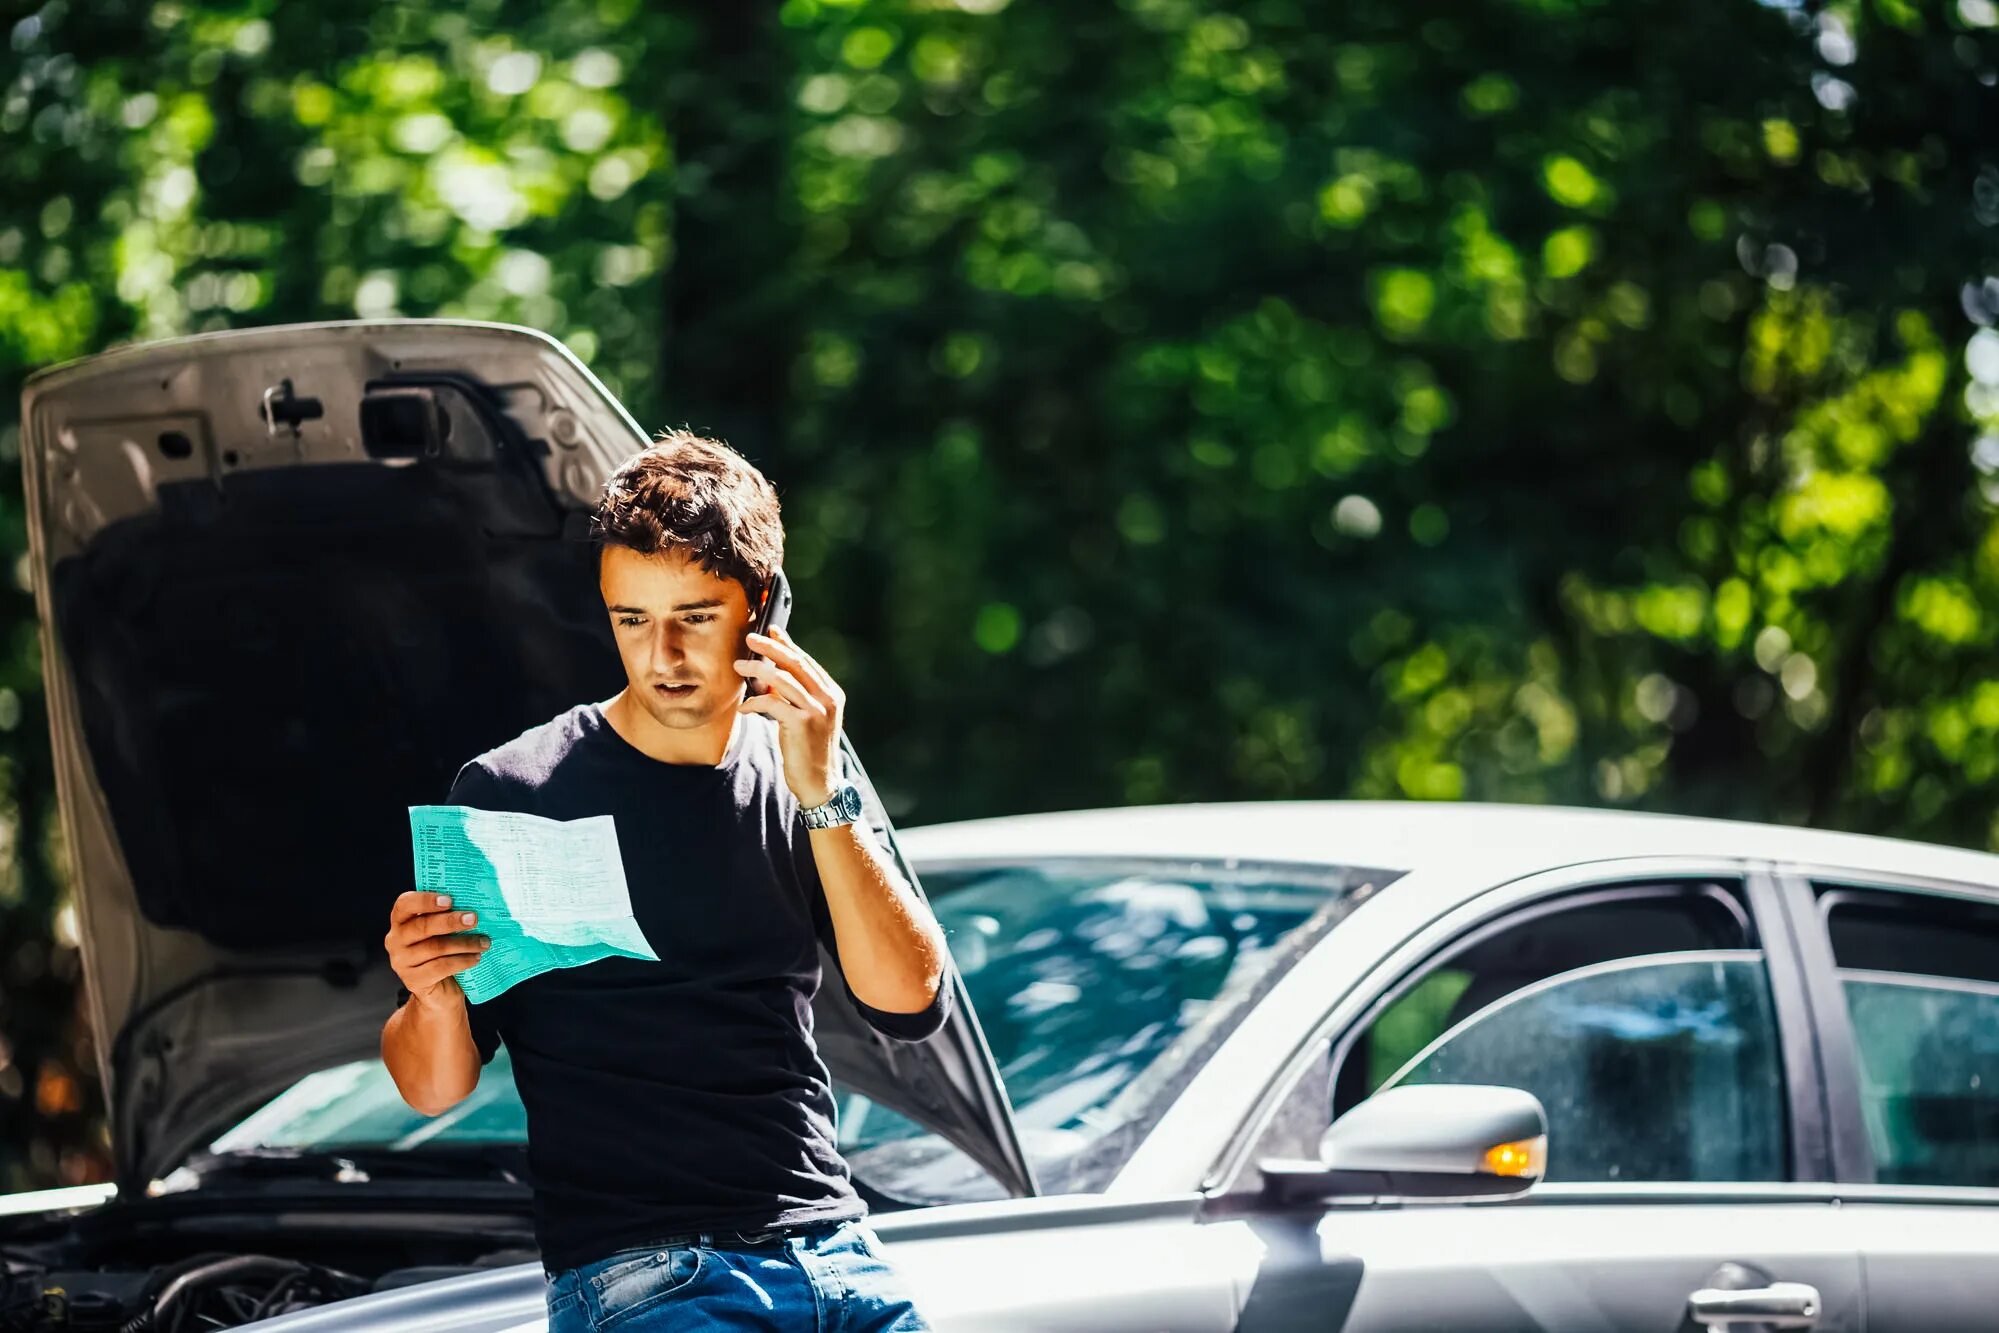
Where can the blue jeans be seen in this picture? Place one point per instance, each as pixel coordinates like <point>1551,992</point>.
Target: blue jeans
<point>828,1278</point>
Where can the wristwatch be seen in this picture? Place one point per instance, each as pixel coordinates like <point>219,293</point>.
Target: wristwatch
<point>842,807</point>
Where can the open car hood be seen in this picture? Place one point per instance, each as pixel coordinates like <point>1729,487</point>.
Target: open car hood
<point>289,580</point>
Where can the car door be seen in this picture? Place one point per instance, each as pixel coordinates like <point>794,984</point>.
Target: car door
<point>1904,978</point>
<point>1660,1020</point>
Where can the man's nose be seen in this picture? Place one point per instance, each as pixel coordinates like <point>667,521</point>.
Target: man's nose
<point>667,645</point>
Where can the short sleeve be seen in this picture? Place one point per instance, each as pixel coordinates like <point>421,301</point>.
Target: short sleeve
<point>914,1026</point>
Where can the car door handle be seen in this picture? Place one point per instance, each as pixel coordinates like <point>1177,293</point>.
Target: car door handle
<point>1779,1305</point>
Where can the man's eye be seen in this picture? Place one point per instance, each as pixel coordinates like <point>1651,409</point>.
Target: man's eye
<point>628,620</point>
<point>699,619</point>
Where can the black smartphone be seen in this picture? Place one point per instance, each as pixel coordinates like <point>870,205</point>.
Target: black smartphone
<point>775,613</point>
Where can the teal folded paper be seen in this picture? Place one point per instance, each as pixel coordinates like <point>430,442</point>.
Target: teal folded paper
<point>549,892</point>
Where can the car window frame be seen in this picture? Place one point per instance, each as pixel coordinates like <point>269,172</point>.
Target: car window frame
<point>1810,890</point>
<point>1232,1174</point>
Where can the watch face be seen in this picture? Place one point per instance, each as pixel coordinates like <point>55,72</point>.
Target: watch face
<point>850,802</point>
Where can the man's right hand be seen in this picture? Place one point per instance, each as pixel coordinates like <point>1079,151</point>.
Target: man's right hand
<point>424,951</point>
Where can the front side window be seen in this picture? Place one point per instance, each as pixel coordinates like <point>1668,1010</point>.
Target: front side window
<point>1639,1015</point>
<point>1653,1069</point>
<point>1921,977</point>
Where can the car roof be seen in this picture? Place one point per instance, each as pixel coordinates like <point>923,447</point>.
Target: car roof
<point>1494,839</point>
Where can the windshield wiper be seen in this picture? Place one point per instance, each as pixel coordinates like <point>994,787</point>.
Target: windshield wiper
<point>359,1164</point>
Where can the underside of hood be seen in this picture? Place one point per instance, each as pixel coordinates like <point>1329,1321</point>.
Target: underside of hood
<point>290,579</point>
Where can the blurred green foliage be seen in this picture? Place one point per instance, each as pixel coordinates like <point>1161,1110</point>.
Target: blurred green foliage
<point>1540,400</point>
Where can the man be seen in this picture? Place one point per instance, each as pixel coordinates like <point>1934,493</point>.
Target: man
<point>680,1122</point>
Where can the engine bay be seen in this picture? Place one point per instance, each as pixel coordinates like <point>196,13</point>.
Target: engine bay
<point>174,1265</point>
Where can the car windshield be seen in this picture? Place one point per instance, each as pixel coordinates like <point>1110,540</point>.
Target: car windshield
<point>1101,986</point>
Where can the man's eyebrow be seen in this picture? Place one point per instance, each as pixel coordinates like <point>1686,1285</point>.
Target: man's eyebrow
<point>684,606</point>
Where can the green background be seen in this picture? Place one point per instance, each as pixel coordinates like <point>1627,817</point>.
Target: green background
<point>1528,400</point>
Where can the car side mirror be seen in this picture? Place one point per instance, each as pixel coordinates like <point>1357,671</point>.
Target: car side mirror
<point>1428,1141</point>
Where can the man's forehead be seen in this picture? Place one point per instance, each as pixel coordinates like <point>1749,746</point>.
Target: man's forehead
<point>670,576</point>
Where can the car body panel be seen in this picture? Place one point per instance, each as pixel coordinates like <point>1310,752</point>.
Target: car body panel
<point>1928,1255</point>
<point>1580,1267</point>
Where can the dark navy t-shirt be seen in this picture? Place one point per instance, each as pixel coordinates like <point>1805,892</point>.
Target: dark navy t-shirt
<point>685,1094</point>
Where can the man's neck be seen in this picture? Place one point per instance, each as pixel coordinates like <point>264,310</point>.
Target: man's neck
<point>671,745</point>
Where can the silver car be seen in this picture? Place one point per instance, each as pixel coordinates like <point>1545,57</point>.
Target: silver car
<point>1332,1065</point>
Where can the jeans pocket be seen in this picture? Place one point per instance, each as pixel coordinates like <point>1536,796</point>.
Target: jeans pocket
<point>633,1286</point>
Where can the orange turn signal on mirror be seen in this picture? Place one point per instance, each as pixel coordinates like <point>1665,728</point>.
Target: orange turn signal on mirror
<point>1523,1157</point>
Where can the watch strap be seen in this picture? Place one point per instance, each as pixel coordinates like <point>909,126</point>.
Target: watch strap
<point>842,807</point>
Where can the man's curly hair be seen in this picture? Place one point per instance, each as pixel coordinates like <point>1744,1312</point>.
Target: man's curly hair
<point>687,492</point>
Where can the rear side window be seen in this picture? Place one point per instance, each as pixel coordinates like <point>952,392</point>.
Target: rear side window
<point>1921,976</point>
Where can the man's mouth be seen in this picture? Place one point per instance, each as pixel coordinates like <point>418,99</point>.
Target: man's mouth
<point>676,691</point>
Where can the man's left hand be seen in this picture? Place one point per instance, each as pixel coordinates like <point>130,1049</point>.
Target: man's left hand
<point>807,705</point>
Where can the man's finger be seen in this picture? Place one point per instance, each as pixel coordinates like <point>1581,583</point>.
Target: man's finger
<point>807,666</point>
<point>806,660</point>
<point>784,652</point>
<point>783,683</point>
<point>778,710</point>
<point>414,902</point>
<point>438,946</point>
<point>435,923</point>
<point>780,681</point>
<point>434,971</point>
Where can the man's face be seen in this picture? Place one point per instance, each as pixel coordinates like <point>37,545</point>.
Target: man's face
<point>679,628</point>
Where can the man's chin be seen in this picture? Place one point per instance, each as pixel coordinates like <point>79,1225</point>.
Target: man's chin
<point>695,711</point>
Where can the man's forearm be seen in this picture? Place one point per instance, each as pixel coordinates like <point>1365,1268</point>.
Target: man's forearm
<point>891,947</point>
<point>430,1054</point>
